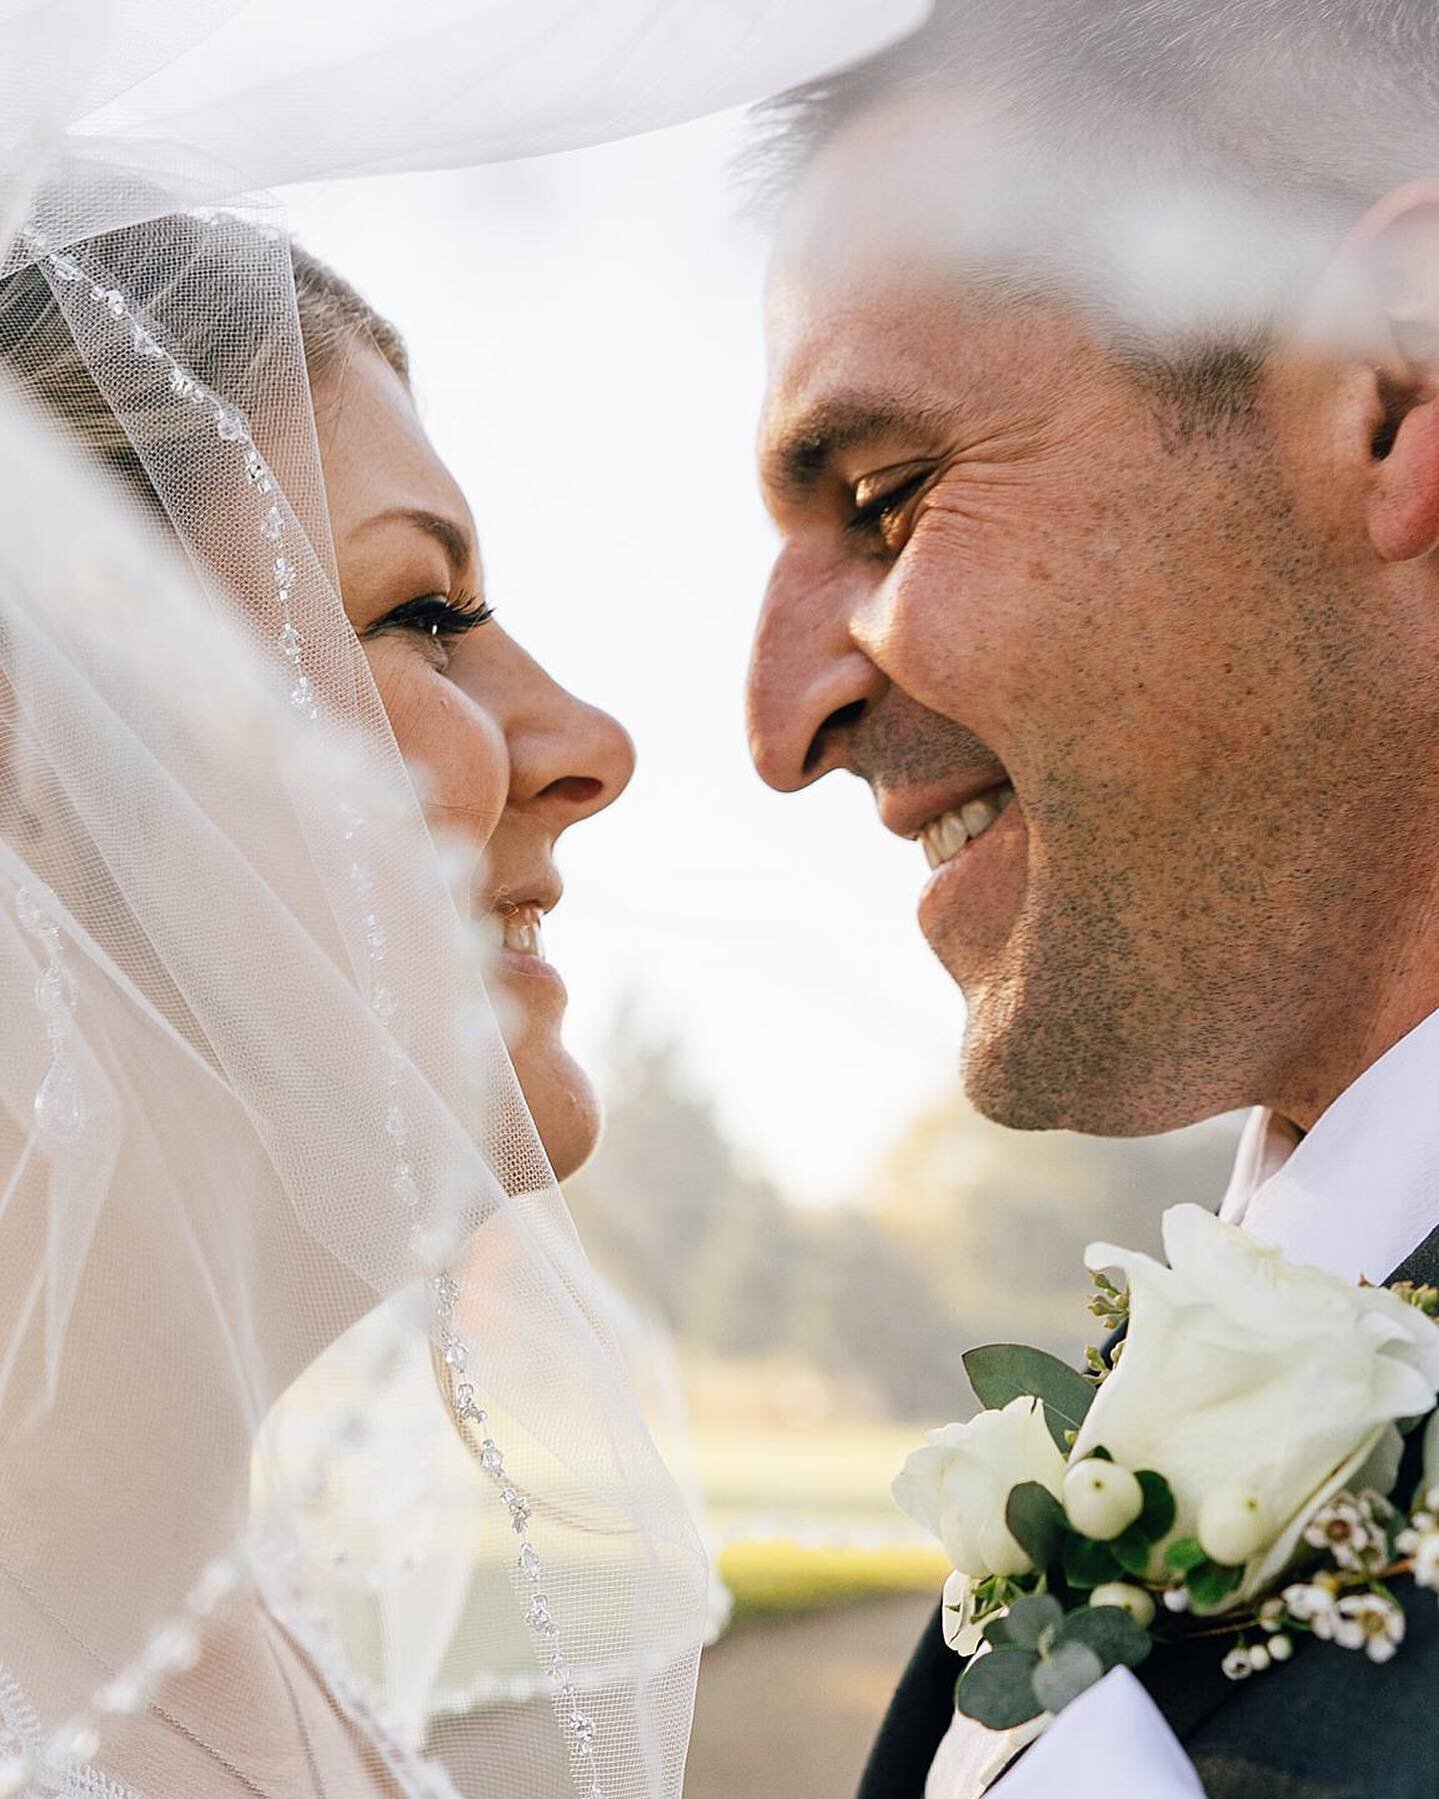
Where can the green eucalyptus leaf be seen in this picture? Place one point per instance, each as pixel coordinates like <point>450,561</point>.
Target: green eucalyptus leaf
<point>1132,1550</point>
<point>1087,1563</point>
<point>998,1689</point>
<point>1061,1677</point>
<point>1211,1583</point>
<point>996,1633</point>
<point>1185,1554</point>
<point>1157,1518</point>
<point>1036,1522</point>
<point>1111,1632</point>
<point>1029,1618</point>
<point>1000,1372</point>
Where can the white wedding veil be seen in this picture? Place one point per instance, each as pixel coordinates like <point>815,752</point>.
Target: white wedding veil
<point>293,1321</point>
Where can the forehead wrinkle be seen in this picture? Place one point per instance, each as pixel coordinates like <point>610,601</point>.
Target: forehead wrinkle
<point>802,453</point>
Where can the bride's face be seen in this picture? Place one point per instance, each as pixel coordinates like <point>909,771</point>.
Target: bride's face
<point>511,760</point>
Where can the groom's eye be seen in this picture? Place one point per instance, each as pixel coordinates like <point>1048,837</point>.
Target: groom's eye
<point>881,503</point>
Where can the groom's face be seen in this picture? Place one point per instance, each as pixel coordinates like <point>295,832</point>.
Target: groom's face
<point>1101,667</point>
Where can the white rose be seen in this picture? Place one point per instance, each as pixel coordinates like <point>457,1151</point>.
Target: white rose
<point>1243,1370</point>
<point>957,1486</point>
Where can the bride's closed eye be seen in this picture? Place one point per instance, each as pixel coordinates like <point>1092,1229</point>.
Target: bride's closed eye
<point>436,620</point>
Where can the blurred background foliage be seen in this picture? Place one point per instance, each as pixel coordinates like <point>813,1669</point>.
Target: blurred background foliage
<point>966,1232</point>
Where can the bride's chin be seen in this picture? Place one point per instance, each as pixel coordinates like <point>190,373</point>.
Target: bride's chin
<point>560,1095</point>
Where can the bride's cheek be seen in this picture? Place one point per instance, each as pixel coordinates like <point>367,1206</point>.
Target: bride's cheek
<point>453,746</point>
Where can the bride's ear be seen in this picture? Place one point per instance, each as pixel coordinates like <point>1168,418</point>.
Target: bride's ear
<point>1394,252</point>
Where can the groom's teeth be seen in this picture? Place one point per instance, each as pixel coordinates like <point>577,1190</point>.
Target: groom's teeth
<point>978,815</point>
<point>944,837</point>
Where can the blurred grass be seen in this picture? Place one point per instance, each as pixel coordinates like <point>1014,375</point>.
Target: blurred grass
<point>778,1579</point>
<point>815,1471</point>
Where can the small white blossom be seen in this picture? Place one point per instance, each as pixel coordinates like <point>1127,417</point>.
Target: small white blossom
<point>1313,1605</point>
<point>1271,1614</point>
<point>1426,1559</point>
<point>1238,1665</point>
<point>1348,1529</point>
<point>1371,1622</point>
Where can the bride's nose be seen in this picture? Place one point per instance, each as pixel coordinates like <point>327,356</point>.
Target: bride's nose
<point>568,759</point>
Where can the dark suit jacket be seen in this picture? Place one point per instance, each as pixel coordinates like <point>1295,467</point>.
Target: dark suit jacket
<point>1330,1724</point>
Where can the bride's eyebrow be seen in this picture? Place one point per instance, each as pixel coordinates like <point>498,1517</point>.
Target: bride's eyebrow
<point>453,539</point>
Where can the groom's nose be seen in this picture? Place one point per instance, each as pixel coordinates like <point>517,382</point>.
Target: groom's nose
<point>809,682</point>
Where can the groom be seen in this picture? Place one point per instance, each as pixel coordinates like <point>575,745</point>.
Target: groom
<point>1103,442</point>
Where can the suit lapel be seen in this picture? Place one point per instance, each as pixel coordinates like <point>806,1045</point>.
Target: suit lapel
<point>1421,1265</point>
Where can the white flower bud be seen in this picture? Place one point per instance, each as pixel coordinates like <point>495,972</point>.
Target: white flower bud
<point>1231,1527</point>
<point>1259,1657</point>
<point>960,1631</point>
<point>1101,1499</point>
<point>1176,1599</point>
<point>1280,1648</point>
<point>1133,1600</point>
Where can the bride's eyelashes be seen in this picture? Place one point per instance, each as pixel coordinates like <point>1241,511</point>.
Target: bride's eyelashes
<point>438,620</point>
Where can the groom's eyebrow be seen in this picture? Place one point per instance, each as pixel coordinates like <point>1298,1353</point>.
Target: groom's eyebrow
<point>803,452</point>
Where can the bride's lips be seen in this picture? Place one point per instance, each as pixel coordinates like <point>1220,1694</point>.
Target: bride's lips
<point>521,950</point>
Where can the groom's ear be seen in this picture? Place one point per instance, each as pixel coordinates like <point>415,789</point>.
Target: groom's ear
<point>1394,253</point>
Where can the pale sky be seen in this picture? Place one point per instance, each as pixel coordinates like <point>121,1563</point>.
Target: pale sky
<point>585,334</point>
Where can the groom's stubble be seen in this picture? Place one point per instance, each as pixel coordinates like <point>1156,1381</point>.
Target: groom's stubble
<point>1217,728</point>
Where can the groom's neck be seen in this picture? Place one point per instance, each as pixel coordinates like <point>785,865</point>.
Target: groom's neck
<point>1365,1020</point>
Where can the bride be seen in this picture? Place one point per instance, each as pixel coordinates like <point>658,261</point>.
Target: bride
<point>320,1471</point>
<point>200,1294</point>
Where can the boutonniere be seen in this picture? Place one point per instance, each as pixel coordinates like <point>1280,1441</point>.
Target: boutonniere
<point>1230,1473</point>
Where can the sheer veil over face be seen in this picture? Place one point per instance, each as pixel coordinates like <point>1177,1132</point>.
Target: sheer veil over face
<point>319,1467</point>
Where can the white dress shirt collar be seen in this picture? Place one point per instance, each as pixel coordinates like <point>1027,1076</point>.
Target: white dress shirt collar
<point>1361,1190</point>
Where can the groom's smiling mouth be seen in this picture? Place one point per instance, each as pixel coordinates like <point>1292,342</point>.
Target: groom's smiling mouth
<point>975,839</point>
<point>944,837</point>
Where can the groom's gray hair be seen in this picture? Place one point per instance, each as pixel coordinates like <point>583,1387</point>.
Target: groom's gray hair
<point>1271,126</point>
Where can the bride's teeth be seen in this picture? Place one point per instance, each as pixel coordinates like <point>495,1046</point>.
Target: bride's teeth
<point>522,935</point>
<point>944,837</point>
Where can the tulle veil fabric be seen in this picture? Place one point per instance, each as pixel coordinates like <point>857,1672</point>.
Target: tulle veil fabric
<point>299,1356</point>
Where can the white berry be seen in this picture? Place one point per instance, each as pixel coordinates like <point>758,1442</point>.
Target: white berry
<point>1101,1499</point>
<point>1231,1526</point>
<point>1133,1600</point>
